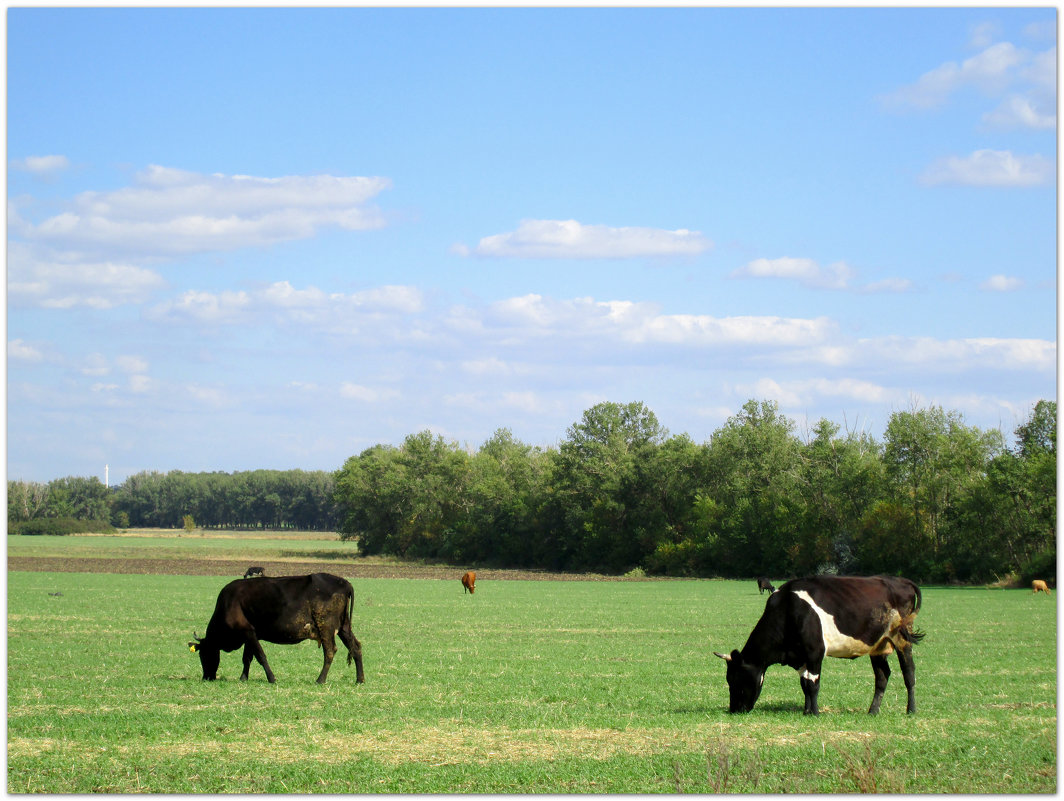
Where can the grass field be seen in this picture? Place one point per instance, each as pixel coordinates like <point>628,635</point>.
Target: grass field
<point>528,686</point>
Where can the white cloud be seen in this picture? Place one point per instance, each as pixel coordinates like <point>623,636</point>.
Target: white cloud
<point>642,323</point>
<point>808,273</point>
<point>168,212</point>
<point>18,350</point>
<point>998,168</point>
<point>140,384</point>
<point>803,392</point>
<point>805,271</point>
<point>131,364</point>
<point>41,165</point>
<point>280,300</point>
<point>365,394</point>
<point>992,70</point>
<point>1020,112</point>
<point>1001,283</point>
<point>569,239</point>
<point>36,278</point>
<point>1024,81</point>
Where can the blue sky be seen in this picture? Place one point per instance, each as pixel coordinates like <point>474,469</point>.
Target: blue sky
<point>270,238</point>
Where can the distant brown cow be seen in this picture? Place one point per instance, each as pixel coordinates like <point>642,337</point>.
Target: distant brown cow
<point>1038,584</point>
<point>469,581</point>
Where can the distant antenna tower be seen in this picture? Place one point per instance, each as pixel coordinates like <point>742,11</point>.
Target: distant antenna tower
<point>106,478</point>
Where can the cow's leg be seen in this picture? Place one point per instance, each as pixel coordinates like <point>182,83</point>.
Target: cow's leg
<point>882,672</point>
<point>248,655</point>
<point>328,646</point>
<point>354,651</point>
<point>255,647</point>
<point>810,675</point>
<point>908,672</point>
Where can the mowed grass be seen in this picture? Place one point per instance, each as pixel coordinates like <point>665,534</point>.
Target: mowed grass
<point>526,687</point>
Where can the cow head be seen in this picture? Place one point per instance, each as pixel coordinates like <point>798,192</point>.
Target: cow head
<point>744,682</point>
<point>210,656</point>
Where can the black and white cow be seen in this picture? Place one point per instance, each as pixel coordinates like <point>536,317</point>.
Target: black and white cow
<point>287,610</point>
<point>809,618</point>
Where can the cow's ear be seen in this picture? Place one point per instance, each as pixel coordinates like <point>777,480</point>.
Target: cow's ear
<point>725,657</point>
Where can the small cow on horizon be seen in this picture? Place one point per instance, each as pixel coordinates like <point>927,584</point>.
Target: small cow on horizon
<point>255,571</point>
<point>764,584</point>
<point>469,581</point>
<point>1039,585</point>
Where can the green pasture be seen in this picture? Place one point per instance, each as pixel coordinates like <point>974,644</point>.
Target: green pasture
<point>528,686</point>
<point>174,544</point>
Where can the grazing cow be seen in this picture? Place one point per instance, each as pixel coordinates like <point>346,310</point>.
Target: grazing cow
<point>1040,586</point>
<point>285,610</point>
<point>809,618</point>
<point>253,572</point>
<point>469,581</point>
<point>764,584</point>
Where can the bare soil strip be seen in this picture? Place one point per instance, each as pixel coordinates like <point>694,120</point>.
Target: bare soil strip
<point>236,568</point>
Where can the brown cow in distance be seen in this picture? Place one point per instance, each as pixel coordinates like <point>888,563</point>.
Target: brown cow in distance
<point>1040,586</point>
<point>469,581</point>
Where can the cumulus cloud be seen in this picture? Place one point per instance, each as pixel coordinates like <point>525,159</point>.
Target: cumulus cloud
<point>991,70</point>
<point>1024,83</point>
<point>21,351</point>
<point>282,301</point>
<point>168,212</point>
<point>808,273</point>
<point>63,281</point>
<point>993,168</point>
<point>41,165</point>
<point>640,323</point>
<point>364,394</point>
<point>569,239</point>
<point>1001,283</point>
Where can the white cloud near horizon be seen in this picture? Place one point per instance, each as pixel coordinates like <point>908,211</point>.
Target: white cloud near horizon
<point>569,239</point>
<point>168,212</point>
<point>990,168</point>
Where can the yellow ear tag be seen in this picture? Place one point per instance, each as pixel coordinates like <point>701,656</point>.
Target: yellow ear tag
<point>192,648</point>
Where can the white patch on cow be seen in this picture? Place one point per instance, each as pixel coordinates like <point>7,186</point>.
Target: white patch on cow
<point>805,674</point>
<point>841,645</point>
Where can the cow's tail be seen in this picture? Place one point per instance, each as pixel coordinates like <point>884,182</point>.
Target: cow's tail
<point>908,629</point>
<point>349,612</point>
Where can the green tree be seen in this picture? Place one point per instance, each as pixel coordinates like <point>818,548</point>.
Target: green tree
<point>933,460</point>
<point>601,487</point>
<point>755,470</point>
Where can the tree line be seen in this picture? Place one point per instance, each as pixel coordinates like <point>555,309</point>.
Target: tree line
<point>256,499</point>
<point>935,499</point>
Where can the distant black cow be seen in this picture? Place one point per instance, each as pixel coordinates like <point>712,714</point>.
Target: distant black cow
<point>284,610</point>
<point>764,584</point>
<point>809,618</point>
<point>254,571</point>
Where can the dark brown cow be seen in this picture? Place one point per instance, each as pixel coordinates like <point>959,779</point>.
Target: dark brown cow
<point>285,610</point>
<point>809,618</point>
<point>764,584</point>
<point>469,581</point>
